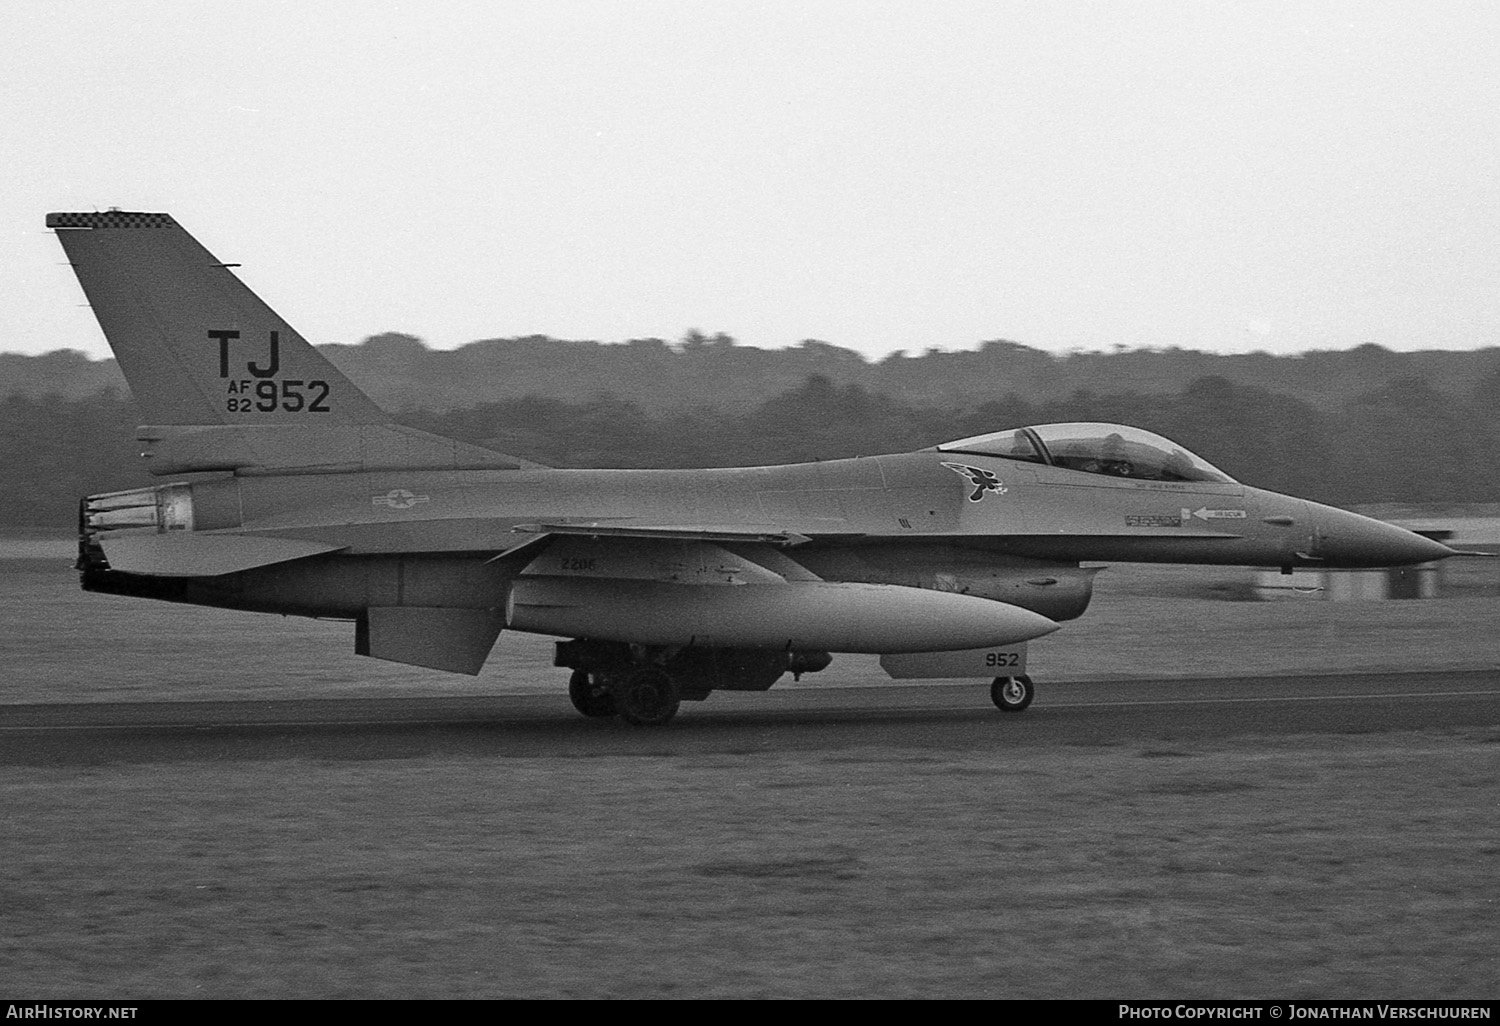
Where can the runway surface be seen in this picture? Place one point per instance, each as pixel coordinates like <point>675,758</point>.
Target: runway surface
<point>950,717</point>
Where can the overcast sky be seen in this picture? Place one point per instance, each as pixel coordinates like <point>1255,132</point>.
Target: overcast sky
<point>881,176</point>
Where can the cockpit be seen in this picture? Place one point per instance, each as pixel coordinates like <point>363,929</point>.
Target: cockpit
<point>1113,450</point>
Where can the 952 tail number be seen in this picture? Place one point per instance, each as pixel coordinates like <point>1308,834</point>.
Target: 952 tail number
<point>266,396</point>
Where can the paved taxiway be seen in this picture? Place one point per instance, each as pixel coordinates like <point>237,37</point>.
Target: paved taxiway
<point>942,716</point>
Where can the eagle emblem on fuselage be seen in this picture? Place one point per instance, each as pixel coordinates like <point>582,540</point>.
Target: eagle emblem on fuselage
<point>982,480</point>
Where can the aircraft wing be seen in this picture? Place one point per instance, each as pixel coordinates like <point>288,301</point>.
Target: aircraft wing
<point>720,532</point>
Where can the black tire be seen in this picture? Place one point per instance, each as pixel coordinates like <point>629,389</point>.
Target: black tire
<point>1012,694</point>
<point>590,698</point>
<point>646,697</point>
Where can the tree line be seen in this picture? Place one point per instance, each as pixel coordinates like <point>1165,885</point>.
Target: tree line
<point>1402,441</point>
<point>399,371</point>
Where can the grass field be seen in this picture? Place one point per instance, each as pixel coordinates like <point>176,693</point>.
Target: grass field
<point>1357,867</point>
<point>1330,865</point>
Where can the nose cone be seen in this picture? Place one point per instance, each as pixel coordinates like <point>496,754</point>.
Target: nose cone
<point>1348,539</point>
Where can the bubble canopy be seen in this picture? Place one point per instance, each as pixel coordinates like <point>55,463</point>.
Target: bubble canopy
<point>1113,450</point>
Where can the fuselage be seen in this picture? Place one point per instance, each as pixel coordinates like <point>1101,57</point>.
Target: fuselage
<point>1042,512</point>
<point>907,519</point>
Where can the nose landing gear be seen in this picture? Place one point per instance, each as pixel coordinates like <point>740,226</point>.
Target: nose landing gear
<point>1012,694</point>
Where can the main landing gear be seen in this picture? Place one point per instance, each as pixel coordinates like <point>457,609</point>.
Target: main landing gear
<point>1012,694</point>
<point>644,696</point>
<point>590,694</point>
<point>644,684</point>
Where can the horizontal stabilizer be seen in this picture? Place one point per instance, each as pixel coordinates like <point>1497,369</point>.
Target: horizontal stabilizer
<point>456,640</point>
<point>189,554</point>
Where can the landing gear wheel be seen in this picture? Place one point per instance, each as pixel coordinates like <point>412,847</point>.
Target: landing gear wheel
<point>647,697</point>
<point>589,698</point>
<point>1012,694</point>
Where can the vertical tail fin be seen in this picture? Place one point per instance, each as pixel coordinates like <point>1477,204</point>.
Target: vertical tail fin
<point>224,383</point>
<point>197,346</point>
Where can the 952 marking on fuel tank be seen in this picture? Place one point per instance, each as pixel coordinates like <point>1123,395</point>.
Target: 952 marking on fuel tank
<point>1005,661</point>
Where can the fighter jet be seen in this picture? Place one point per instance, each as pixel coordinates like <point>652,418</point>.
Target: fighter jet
<point>287,490</point>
